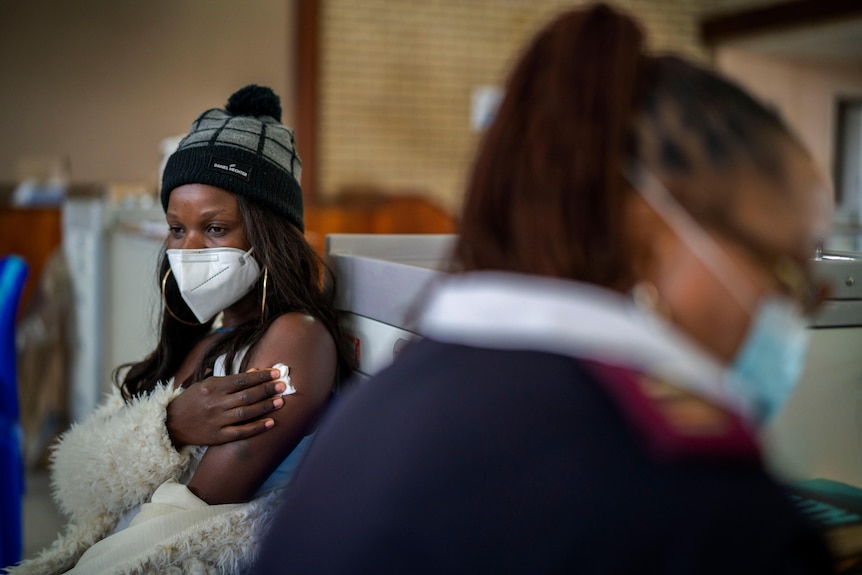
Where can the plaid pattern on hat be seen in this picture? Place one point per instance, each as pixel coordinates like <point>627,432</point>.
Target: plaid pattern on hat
<point>244,149</point>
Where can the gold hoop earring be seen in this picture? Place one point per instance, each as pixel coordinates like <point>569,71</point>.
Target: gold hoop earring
<point>263,299</point>
<point>646,296</point>
<point>168,308</point>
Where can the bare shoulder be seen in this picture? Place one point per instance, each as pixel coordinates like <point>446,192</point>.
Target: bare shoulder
<point>294,339</point>
<point>298,329</point>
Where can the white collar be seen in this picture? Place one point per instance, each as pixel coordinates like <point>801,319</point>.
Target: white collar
<point>509,311</point>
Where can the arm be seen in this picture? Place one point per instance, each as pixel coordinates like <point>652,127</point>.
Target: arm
<point>233,471</point>
<point>117,435</point>
<point>222,409</point>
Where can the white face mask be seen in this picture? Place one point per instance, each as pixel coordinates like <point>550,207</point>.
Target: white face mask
<point>768,365</point>
<point>213,279</point>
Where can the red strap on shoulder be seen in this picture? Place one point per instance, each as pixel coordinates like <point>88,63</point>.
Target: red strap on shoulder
<point>666,429</point>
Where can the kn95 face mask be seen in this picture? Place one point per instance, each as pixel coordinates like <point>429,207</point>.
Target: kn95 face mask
<point>213,279</point>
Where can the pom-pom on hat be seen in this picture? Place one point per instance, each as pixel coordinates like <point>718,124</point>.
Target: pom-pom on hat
<point>244,149</point>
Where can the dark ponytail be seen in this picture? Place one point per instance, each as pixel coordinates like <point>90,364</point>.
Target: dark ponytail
<point>545,194</point>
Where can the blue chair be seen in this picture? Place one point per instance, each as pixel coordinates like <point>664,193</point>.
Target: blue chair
<point>13,272</point>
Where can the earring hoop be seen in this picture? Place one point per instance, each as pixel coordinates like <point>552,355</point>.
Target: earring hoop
<point>263,299</point>
<point>646,296</point>
<point>168,308</point>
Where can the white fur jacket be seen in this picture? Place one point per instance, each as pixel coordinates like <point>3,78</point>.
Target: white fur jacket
<point>113,462</point>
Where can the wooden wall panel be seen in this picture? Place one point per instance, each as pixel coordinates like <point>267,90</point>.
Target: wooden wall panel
<point>34,234</point>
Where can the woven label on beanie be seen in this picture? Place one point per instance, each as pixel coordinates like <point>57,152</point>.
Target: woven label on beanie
<point>227,166</point>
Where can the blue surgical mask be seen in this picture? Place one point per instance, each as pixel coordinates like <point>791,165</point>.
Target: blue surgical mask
<point>768,366</point>
<point>769,363</point>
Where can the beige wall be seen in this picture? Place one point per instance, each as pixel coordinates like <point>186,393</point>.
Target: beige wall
<point>397,78</point>
<point>103,81</point>
<point>803,91</point>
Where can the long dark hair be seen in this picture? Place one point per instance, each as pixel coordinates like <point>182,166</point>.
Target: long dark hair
<point>547,190</point>
<point>297,281</point>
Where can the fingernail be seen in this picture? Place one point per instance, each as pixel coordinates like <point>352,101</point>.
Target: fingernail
<point>274,373</point>
<point>277,402</point>
<point>280,386</point>
<point>269,423</point>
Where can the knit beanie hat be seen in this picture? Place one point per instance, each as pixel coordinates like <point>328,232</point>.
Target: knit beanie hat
<point>244,149</point>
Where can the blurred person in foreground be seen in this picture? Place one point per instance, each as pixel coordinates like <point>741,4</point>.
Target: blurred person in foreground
<point>627,311</point>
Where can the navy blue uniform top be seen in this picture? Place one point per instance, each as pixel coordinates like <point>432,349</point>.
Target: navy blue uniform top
<point>457,459</point>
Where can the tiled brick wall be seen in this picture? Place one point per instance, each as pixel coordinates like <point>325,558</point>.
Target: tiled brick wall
<point>397,77</point>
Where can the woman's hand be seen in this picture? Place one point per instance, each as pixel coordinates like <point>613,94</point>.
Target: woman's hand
<point>233,472</point>
<point>219,410</point>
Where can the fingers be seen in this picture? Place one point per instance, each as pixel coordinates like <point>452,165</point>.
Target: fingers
<point>254,411</point>
<point>257,394</point>
<point>247,430</point>
<point>249,379</point>
<point>272,387</point>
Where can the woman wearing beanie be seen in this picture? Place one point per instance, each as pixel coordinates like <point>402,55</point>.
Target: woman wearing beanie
<point>627,312</point>
<point>243,298</point>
